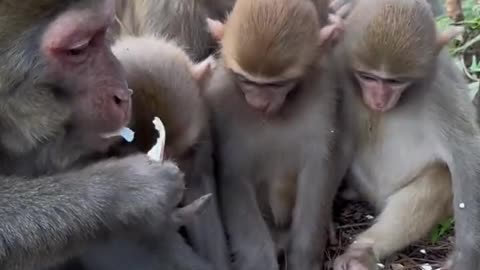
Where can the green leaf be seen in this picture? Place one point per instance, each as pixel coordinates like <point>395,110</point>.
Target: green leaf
<point>442,229</point>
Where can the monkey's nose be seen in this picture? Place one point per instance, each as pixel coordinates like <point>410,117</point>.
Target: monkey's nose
<point>122,96</point>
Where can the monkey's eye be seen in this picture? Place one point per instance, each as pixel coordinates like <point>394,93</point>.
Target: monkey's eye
<point>280,84</point>
<point>393,81</point>
<point>366,76</point>
<point>242,79</point>
<point>397,82</point>
<point>78,49</point>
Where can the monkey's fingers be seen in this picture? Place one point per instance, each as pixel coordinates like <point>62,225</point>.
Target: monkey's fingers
<point>336,4</point>
<point>183,215</point>
<point>334,19</point>
<point>344,10</point>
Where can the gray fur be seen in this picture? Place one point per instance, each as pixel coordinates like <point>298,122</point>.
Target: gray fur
<point>181,20</point>
<point>159,70</point>
<point>56,201</point>
<point>254,152</point>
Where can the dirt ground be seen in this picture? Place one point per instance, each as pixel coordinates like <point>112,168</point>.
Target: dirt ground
<point>354,217</point>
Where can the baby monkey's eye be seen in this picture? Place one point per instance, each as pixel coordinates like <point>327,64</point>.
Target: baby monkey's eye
<point>366,76</point>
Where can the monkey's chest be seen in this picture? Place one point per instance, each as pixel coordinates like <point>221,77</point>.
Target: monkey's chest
<point>386,164</point>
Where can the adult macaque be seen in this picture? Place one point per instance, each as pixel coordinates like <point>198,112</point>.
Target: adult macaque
<point>181,20</point>
<point>62,90</point>
<point>167,84</point>
<point>418,137</point>
<point>277,118</point>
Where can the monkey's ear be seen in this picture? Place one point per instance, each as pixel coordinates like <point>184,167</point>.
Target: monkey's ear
<point>331,33</point>
<point>202,71</point>
<point>216,29</point>
<point>447,36</point>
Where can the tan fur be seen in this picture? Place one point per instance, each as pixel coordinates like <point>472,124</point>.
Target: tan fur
<point>414,209</point>
<point>399,38</point>
<point>183,21</point>
<point>282,198</point>
<point>290,159</point>
<point>410,165</point>
<point>158,91</point>
<point>252,26</point>
<point>168,85</point>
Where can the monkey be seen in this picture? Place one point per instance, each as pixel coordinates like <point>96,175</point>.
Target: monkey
<point>343,7</point>
<point>416,153</point>
<point>165,250</point>
<point>184,21</point>
<point>167,84</point>
<point>277,117</point>
<point>62,90</point>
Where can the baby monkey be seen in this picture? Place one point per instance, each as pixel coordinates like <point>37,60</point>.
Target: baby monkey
<point>277,119</point>
<point>417,136</point>
<point>168,85</point>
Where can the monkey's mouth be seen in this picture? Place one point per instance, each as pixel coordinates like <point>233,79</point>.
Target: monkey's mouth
<point>126,133</point>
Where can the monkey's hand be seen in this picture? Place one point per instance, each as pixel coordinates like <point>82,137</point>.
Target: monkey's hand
<point>144,192</point>
<point>52,216</point>
<point>356,258</point>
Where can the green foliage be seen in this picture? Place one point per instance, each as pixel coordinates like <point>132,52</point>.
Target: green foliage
<point>466,49</point>
<point>442,229</point>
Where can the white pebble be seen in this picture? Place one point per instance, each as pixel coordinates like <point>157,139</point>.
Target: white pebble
<point>423,251</point>
<point>461,205</point>
<point>426,267</point>
<point>332,131</point>
<point>370,217</point>
<point>381,265</point>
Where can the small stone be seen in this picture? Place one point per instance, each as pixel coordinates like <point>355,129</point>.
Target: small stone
<point>423,251</point>
<point>369,217</point>
<point>426,267</point>
<point>381,265</point>
<point>461,205</point>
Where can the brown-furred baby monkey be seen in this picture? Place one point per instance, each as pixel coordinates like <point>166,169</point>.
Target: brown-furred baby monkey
<point>168,85</point>
<point>278,117</point>
<point>417,135</point>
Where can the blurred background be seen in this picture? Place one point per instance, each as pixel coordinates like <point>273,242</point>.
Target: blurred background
<point>465,49</point>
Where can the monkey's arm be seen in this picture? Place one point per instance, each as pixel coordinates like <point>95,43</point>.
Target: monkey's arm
<point>206,231</point>
<point>464,165</point>
<point>249,237</point>
<point>167,251</point>
<point>48,219</point>
<point>318,183</point>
